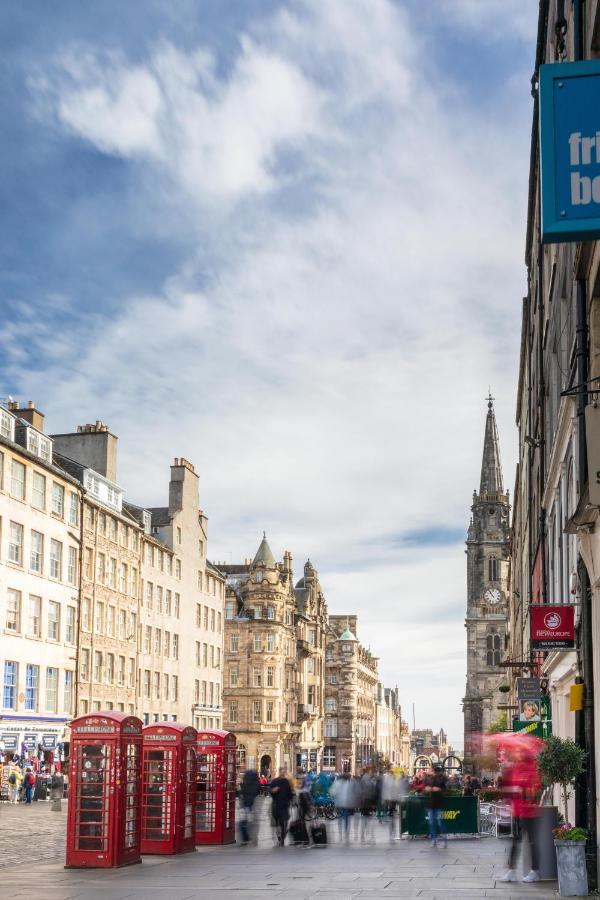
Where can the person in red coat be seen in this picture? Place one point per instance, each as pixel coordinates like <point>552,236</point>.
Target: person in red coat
<point>521,785</point>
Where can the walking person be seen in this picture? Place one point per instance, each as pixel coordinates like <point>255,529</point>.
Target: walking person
<point>14,785</point>
<point>389,798</point>
<point>29,785</point>
<point>249,791</point>
<point>282,795</point>
<point>368,806</point>
<point>521,785</point>
<point>343,793</point>
<point>434,792</point>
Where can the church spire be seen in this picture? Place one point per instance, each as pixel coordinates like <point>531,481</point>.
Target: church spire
<point>491,468</point>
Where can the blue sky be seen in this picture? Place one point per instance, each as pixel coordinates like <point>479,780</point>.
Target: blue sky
<point>284,240</point>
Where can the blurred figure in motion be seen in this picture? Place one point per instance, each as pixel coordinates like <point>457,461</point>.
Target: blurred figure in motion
<point>521,785</point>
<point>282,794</point>
<point>389,798</point>
<point>434,791</point>
<point>343,792</point>
<point>368,805</point>
<point>249,791</point>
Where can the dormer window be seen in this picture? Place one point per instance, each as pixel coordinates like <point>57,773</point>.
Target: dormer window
<point>7,425</point>
<point>347,648</point>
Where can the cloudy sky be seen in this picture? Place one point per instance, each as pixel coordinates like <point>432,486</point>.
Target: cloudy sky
<point>283,239</point>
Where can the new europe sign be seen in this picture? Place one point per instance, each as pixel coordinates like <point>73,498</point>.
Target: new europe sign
<point>552,627</point>
<point>570,151</point>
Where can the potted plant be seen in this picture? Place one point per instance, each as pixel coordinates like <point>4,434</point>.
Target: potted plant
<point>560,762</point>
<point>570,843</point>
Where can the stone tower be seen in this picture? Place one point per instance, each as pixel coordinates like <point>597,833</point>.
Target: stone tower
<point>487,602</point>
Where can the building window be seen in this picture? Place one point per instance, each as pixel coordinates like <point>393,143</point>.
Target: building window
<point>270,642</point>
<point>149,594</point>
<point>233,678</point>
<point>233,712</point>
<point>112,529</point>
<point>123,578</point>
<point>329,757</point>
<point>73,509</point>
<point>97,666</point>
<point>310,665</point>
<point>178,532</point>
<point>68,693</point>
<point>53,633</point>
<point>178,569</point>
<point>330,705</point>
<point>99,617</point>
<point>159,598</point>
<point>165,686</point>
<point>32,686</point>
<point>257,643</point>
<point>175,646</point>
<point>58,500</point>
<point>270,612</point>
<point>147,684</point>
<point>13,610</point>
<point>15,544</point>
<point>270,676</point>
<point>121,671</point>
<point>36,555</point>
<point>270,706</point>
<point>9,697</point>
<point>112,572</point>
<point>17,480</point>
<point>233,643</point>
<point>168,596</point>
<point>157,641</point>
<point>86,610</point>
<point>331,728</point>
<point>493,650</point>
<point>122,624</point>
<point>167,644</point>
<point>70,625</point>
<point>51,689</point>
<point>88,566</point>
<point>493,568</point>
<point>241,756</point>
<point>131,675</point>
<point>38,491</point>
<point>7,424</point>
<point>206,618</point>
<point>101,568</point>
<point>34,623</point>
<point>256,678</point>
<point>110,621</point>
<point>199,580</point>
<point>174,688</point>
<point>333,679</point>
<point>148,639</point>
<point>55,559</point>
<point>84,664</point>
<point>213,620</point>
<point>256,710</point>
<point>176,611</point>
<point>72,566</point>
<point>156,679</point>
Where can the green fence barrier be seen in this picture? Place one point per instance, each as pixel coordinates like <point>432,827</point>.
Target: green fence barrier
<point>459,815</point>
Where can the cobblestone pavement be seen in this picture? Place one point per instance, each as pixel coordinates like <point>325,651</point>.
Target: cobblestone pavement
<point>32,844</point>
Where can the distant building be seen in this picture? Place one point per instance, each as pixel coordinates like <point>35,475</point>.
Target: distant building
<point>350,699</point>
<point>487,594</point>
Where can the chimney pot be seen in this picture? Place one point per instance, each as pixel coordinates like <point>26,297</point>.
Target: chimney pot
<point>30,404</point>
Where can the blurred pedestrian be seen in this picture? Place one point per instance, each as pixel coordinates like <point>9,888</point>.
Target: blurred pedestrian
<point>368,805</point>
<point>282,794</point>
<point>389,798</point>
<point>29,785</point>
<point>434,792</point>
<point>521,786</point>
<point>343,792</point>
<point>249,791</point>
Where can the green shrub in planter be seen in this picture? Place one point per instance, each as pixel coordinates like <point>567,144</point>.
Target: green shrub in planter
<point>560,762</point>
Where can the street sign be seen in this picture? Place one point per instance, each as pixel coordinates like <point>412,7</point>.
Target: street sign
<point>570,150</point>
<point>552,626</point>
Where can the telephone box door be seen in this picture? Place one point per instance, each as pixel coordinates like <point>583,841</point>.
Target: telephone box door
<point>158,799</point>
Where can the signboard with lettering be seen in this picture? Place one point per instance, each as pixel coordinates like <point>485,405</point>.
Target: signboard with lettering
<point>537,729</point>
<point>11,741</point>
<point>528,688</point>
<point>49,741</point>
<point>570,150</point>
<point>552,627</point>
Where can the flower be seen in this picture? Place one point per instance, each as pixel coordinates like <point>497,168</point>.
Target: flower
<point>570,832</point>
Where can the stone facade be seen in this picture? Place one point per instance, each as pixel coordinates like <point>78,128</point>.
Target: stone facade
<point>40,513</point>
<point>260,694</point>
<point>350,699</point>
<point>487,597</point>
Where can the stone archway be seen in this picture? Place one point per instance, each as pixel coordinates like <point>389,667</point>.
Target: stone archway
<point>266,765</point>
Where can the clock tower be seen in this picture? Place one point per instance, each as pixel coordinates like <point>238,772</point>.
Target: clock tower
<point>487,601</point>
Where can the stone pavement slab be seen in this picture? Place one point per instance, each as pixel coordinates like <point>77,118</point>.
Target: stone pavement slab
<point>31,866</point>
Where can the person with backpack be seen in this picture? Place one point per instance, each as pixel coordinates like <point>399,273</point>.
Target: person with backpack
<point>29,785</point>
<point>14,783</point>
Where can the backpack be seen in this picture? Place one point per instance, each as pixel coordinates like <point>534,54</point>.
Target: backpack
<point>29,779</point>
<point>12,778</point>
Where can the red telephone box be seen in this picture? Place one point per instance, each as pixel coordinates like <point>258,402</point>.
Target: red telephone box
<point>103,824</point>
<point>215,788</point>
<point>168,788</point>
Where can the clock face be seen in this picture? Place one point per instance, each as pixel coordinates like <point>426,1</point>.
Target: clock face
<point>492,595</point>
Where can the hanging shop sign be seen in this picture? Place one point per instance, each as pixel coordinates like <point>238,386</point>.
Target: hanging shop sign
<point>552,627</point>
<point>537,729</point>
<point>570,151</point>
<point>535,709</point>
<point>528,688</point>
<point>592,437</point>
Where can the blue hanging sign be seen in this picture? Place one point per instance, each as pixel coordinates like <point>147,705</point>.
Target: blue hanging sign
<point>570,151</point>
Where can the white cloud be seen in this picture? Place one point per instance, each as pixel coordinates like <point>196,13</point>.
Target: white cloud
<point>328,376</point>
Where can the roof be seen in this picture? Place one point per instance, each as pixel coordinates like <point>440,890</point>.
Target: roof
<point>491,469</point>
<point>347,636</point>
<point>264,554</point>
<point>160,515</point>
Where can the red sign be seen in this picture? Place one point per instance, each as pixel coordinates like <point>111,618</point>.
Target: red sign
<point>552,627</point>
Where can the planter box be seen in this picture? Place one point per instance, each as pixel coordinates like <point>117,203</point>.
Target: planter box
<point>572,872</point>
